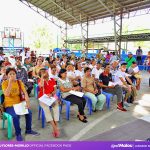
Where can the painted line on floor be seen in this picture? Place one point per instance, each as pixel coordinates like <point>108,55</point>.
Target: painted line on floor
<point>91,126</point>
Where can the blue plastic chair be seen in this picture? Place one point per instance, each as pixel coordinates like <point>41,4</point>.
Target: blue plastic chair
<point>89,104</point>
<point>41,113</point>
<point>68,104</point>
<point>108,98</point>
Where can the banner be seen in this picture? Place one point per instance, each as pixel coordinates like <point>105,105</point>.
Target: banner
<point>12,32</point>
<point>6,32</point>
<point>18,34</point>
<point>86,145</point>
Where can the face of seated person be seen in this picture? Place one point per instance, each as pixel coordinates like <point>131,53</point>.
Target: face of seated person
<point>11,76</point>
<point>45,74</point>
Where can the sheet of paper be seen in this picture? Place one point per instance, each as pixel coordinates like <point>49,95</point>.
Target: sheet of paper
<point>128,75</point>
<point>47,100</point>
<point>136,69</point>
<point>80,94</point>
<point>112,83</point>
<point>20,109</point>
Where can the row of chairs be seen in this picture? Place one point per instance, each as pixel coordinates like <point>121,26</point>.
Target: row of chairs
<point>8,118</point>
<point>68,104</point>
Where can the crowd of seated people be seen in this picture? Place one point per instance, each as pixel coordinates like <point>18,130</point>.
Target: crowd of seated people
<point>77,74</point>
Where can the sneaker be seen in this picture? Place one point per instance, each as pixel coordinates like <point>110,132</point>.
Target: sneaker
<point>127,104</point>
<point>19,138</point>
<point>119,106</point>
<point>32,133</point>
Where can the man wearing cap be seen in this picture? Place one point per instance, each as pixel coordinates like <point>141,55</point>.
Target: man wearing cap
<point>130,59</point>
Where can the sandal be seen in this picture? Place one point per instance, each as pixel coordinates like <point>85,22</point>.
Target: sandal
<point>83,116</point>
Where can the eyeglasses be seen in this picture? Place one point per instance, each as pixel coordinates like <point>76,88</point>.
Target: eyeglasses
<point>53,69</point>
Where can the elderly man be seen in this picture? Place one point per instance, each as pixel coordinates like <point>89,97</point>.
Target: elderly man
<point>130,59</point>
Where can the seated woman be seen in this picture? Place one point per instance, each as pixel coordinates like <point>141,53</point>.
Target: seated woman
<point>38,66</point>
<point>91,91</point>
<point>65,86</point>
<point>48,87</point>
<point>11,92</point>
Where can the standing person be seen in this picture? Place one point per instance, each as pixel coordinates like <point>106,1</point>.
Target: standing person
<point>130,59</point>
<point>11,92</point>
<point>89,87</point>
<point>139,53</point>
<point>48,87</point>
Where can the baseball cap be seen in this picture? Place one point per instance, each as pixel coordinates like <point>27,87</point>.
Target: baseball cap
<point>129,53</point>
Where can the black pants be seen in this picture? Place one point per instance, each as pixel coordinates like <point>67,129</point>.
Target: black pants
<point>80,101</point>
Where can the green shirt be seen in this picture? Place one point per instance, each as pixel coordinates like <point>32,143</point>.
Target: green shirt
<point>129,61</point>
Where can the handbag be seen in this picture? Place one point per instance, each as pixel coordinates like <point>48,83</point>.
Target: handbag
<point>21,95</point>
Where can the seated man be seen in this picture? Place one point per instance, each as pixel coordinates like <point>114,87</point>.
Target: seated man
<point>122,79</point>
<point>97,71</point>
<point>105,79</point>
<point>134,71</point>
<point>23,76</point>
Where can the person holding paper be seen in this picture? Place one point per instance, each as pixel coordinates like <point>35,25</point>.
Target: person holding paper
<point>48,86</point>
<point>122,79</point>
<point>65,86</point>
<point>135,72</point>
<point>11,92</point>
<point>105,81</point>
<point>89,87</point>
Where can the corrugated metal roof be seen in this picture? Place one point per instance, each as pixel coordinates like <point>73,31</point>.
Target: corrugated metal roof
<point>73,11</point>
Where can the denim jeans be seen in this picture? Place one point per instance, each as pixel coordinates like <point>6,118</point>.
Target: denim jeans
<point>16,120</point>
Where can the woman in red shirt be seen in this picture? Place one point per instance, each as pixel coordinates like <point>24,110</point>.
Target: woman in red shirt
<point>48,86</point>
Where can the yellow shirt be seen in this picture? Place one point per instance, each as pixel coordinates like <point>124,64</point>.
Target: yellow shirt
<point>14,97</point>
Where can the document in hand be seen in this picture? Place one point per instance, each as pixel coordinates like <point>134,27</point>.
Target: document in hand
<point>136,69</point>
<point>79,94</point>
<point>47,100</point>
<point>20,109</point>
<point>111,83</point>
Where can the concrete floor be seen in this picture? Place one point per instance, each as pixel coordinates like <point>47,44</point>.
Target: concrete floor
<point>99,122</point>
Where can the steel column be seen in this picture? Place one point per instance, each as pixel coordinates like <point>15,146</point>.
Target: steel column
<point>64,35</point>
<point>118,32</point>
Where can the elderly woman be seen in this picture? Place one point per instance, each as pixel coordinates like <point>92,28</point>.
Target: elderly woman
<point>66,86</point>
<point>91,90</point>
<point>48,87</point>
<point>11,92</point>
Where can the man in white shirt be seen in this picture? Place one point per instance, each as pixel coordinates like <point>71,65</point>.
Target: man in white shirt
<point>120,79</point>
<point>96,71</point>
<point>93,64</point>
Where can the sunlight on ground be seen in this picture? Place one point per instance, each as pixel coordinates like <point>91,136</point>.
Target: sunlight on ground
<point>140,110</point>
<point>113,126</point>
<point>146,97</point>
